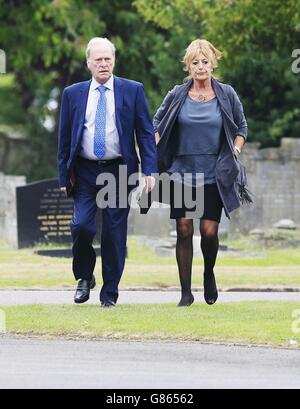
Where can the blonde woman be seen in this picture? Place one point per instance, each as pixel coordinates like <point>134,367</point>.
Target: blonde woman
<point>201,128</point>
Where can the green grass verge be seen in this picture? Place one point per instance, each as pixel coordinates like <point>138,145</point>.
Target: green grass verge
<point>24,269</point>
<point>267,323</point>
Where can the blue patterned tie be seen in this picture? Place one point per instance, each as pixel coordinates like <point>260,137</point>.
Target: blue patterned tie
<point>100,124</point>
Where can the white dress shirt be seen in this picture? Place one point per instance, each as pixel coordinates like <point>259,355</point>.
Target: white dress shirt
<point>112,140</point>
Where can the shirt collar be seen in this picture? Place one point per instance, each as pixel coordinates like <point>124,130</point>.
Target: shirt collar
<point>109,84</point>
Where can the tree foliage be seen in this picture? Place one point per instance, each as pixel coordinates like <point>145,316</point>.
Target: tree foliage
<point>257,39</point>
<point>45,44</point>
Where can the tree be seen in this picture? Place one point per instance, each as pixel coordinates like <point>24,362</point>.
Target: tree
<point>45,43</point>
<point>257,38</point>
<point>260,37</point>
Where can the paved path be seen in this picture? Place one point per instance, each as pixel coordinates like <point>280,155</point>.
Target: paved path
<point>27,363</point>
<point>8,298</point>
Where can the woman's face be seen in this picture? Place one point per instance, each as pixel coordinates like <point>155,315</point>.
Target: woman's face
<point>201,68</point>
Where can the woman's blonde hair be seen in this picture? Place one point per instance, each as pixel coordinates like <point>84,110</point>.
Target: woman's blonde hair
<point>201,47</point>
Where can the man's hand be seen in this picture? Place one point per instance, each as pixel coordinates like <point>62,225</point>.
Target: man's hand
<point>63,189</point>
<point>149,183</point>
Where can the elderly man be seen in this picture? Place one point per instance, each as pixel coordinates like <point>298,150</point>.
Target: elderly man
<point>100,122</point>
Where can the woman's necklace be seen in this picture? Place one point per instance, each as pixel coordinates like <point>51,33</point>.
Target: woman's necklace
<point>201,97</point>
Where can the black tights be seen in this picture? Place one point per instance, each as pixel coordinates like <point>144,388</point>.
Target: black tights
<point>184,249</point>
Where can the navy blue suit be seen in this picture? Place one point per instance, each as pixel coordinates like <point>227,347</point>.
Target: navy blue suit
<point>134,125</point>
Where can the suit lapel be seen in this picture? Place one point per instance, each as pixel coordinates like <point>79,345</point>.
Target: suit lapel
<point>119,97</point>
<point>83,99</point>
<point>81,110</point>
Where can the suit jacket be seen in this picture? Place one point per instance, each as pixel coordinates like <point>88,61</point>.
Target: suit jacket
<point>234,123</point>
<point>132,119</point>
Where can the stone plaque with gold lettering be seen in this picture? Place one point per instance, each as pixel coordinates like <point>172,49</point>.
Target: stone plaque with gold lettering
<point>44,214</point>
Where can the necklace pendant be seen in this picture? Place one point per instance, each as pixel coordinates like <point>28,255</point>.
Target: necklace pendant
<point>202,98</point>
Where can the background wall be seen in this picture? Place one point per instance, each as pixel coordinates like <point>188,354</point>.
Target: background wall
<point>273,176</point>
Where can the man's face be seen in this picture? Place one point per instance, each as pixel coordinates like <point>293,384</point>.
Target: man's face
<point>101,63</point>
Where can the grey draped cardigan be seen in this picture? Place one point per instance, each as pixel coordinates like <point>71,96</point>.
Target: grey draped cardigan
<point>234,123</point>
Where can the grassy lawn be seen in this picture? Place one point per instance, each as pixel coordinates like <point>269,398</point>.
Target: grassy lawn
<point>273,267</point>
<point>267,323</point>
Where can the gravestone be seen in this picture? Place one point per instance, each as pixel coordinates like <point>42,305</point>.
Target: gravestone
<point>8,208</point>
<point>44,215</point>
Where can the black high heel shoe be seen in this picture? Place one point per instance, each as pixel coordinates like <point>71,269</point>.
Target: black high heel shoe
<point>210,288</point>
<point>186,300</point>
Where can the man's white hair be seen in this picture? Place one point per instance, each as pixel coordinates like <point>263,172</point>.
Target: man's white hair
<point>99,41</point>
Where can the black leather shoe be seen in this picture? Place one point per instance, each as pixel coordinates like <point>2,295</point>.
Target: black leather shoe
<point>186,300</point>
<point>210,288</point>
<point>82,294</point>
<point>108,304</point>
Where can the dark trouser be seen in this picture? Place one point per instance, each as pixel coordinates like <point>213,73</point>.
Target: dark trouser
<point>83,228</point>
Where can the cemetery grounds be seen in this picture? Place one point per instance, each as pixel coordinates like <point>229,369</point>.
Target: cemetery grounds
<point>250,267</point>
